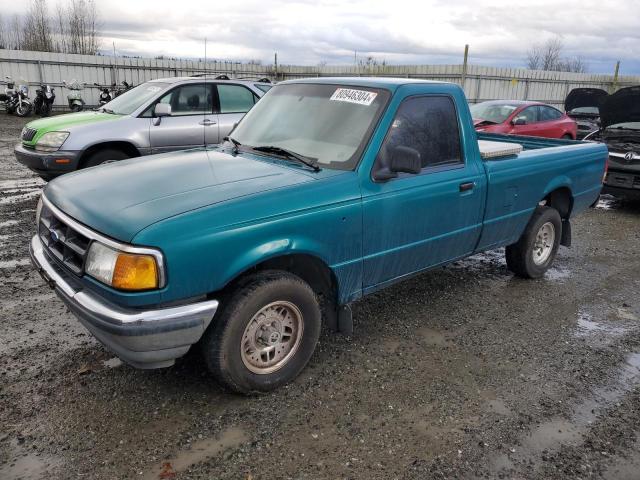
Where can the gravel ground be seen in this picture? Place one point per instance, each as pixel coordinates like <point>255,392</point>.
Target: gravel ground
<point>463,372</point>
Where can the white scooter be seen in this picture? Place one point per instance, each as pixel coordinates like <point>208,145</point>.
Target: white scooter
<point>76,103</point>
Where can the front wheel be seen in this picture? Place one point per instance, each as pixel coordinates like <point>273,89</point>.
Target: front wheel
<point>76,107</point>
<point>536,249</point>
<point>23,109</point>
<point>264,334</point>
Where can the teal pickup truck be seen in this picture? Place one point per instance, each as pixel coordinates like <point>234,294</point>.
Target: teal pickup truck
<point>328,190</point>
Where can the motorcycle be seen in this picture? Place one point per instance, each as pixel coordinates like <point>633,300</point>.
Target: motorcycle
<point>119,90</point>
<point>105,94</point>
<point>74,98</point>
<point>17,99</point>
<point>43,102</point>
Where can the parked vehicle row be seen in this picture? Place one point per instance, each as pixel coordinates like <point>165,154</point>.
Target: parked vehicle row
<point>17,99</point>
<point>328,190</point>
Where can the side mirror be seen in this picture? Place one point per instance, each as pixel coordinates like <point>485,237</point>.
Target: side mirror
<point>159,111</point>
<point>519,121</point>
<point>162,110</point>
<point>403,160</point>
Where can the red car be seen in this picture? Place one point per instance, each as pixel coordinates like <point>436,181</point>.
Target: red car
<point>522,118</point>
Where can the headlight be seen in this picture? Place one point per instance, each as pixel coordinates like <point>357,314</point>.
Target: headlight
<point>38,212</point>
<point>52,141</point>
<point>122,270</point>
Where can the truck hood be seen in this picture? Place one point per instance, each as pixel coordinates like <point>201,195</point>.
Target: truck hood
<point>67,122</point>
<point>584,97</point>
<point>120,199</point>
<point>621,107</point>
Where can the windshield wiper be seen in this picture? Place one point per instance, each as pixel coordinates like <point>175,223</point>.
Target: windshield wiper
<point>236,143</point>
<point>309,162</point>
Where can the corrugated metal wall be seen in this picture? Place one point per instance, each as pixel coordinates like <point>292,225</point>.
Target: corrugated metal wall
<point>480,83</point>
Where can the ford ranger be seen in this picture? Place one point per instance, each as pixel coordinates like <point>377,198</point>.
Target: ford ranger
<point>327,190</point>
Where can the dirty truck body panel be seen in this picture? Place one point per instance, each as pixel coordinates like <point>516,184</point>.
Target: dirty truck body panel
<point>215,214</point>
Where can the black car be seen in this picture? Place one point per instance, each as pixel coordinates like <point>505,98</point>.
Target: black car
<point>620,130</point>
<point>583,106</point>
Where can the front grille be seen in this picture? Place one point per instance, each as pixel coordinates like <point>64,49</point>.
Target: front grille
<point>28,134</point>
<point>62,241</point>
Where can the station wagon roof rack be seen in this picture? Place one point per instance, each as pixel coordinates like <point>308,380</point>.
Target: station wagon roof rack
<point>218,77</point>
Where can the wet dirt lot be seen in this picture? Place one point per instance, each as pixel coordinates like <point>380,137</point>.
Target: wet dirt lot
<point>463,372</point>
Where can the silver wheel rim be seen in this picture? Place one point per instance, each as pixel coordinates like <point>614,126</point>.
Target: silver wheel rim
<point>271,337</point>
<point>543,246</point>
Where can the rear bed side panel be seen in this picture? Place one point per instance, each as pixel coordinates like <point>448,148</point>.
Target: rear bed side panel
<point>517,184</point>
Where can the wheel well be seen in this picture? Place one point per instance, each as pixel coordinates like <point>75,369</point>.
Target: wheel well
<point>562,200</point>
<point>309,268</point>
<point>125,147</point>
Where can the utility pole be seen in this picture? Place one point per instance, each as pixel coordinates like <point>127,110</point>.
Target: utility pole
<point>463,77</point>
<point>275,63</point>
<point>614,87</point>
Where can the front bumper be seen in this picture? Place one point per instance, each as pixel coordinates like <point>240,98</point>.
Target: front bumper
<point>142,338</point>
<point>47,164</point>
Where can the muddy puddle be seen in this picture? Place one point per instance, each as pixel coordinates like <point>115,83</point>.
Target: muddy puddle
<point>200,451</point>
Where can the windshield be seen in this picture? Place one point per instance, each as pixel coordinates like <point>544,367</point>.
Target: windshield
<point>492,112</point>
<point>131,100</point>
<point>328,123</point>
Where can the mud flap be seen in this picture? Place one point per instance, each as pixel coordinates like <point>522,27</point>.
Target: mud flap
<point>565,239</point>
<point>345,320</point>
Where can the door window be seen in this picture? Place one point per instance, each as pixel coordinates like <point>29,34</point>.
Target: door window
<point>428,125</point>
<point>529,115</point>
<point>189,100</point>
<point>546,114</point>
<point>235,99</point>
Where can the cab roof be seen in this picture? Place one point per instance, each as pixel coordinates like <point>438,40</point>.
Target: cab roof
<point>389,83</point>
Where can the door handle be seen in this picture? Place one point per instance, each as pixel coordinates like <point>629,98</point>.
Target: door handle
<point>465,187</point>
<point>206,122</point>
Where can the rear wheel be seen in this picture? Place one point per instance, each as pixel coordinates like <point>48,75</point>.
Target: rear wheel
<point>536,249</point>
<point>567,137</point>
<point>107,155</point>
<point>264,334</point>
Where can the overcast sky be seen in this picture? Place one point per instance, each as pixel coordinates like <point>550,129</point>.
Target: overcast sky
<point>499,32</point>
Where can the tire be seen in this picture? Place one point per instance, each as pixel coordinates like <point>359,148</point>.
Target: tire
<point>567,137</point>
<point>76,108</point>
<point>231,346</point>
<point>23,110</point>
<point>46,109</point>
<point>107,155</point>
<point>523,258</point>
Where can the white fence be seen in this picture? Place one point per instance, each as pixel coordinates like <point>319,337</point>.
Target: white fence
<point>480,83</point>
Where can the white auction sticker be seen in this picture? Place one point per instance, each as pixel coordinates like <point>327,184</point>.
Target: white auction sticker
<point>361,97</point>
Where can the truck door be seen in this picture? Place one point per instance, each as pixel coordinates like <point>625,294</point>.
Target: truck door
<point>234,102</point>
<point>416,221</point>
<point>192,122</point>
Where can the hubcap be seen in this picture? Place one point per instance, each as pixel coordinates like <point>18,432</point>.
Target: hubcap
<point>272,337</point>
<point>543,245</point>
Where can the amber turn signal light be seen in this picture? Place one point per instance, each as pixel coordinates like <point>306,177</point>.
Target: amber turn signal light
<point>135,272</point>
